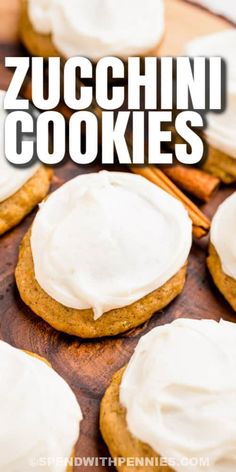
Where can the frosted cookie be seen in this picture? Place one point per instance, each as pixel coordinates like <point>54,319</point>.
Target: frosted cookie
<point>220,132</point>
<point>92,29</point>
<point>39,414</point>
<point>175,401</point>
<point>21,189</point>
<point>105,252</point>
<point>222,250</point>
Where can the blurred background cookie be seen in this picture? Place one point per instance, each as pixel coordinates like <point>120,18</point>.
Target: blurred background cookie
<point>21,189</point>
<point>220,131</point>
<point>92,29</point>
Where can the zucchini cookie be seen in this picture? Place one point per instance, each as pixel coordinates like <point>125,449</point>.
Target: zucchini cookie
<point>172,407</point>
<point>21,189</point>
<point>69,28</point>
<point>222,249</point>
<point>18,205</point>
<point>220,131</point>
<point>40,416</point>
<point>105,252</point>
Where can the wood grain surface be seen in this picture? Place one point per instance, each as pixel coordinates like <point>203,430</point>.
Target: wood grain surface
<point>89,366</point>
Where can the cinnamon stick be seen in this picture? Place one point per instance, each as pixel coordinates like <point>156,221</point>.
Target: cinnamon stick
<point>201,224</point>
<point>194,181</point>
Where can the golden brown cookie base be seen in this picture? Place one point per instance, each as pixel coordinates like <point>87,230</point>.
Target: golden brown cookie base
<point>221,165</point>
<point>120,442</point>
<point>16,207</point>
<point>41,44</point>
<point>37,356</point>
<point>225,283</point>
<point>33,354</point>
<point>81,322</point>
<point>70,466</point>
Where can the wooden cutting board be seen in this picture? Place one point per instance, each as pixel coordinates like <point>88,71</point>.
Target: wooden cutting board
<point>89,365</point>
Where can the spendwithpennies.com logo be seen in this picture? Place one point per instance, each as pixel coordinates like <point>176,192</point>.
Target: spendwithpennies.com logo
<point>90,461</point>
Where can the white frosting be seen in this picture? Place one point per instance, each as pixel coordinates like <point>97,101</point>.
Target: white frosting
<point>39,414</point>
<point>107,239</point>
<point>217,44</point>
<point>223,231</point>
<point>12,178</point>
<point>98,28</point>
<point>179,390</point>
<point>220,131</point>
